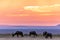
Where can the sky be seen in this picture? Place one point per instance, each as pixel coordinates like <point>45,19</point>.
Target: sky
<point>30,12</point>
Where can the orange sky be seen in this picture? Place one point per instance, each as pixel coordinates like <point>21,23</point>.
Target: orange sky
<point>29,12</point>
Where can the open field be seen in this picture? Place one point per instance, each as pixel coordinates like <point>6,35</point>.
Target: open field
<point>29,38</point>
<point>9,37</point>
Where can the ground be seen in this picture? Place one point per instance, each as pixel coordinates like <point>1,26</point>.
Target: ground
<point>9,37</point>
<point>29,38</point>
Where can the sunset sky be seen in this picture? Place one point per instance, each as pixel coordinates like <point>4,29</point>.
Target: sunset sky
<point>30,12</point>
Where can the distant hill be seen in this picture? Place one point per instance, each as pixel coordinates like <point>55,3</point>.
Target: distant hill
<point>58,25</point>
<point>26,29</point>
<point>29,27</point>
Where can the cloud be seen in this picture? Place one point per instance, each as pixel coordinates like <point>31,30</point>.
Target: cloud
<point>45,8</point>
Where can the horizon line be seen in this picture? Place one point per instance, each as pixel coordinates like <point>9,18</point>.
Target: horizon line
<point>31,25</point>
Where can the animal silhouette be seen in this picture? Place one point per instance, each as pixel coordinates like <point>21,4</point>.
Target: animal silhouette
<point>32,33</point>
<point>18,33</point>
<point>46,34</point>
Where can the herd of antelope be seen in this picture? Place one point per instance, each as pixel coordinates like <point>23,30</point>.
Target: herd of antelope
<point>45,34</point>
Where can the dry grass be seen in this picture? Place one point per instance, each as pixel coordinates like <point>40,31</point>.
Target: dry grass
<point>26,37</point>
